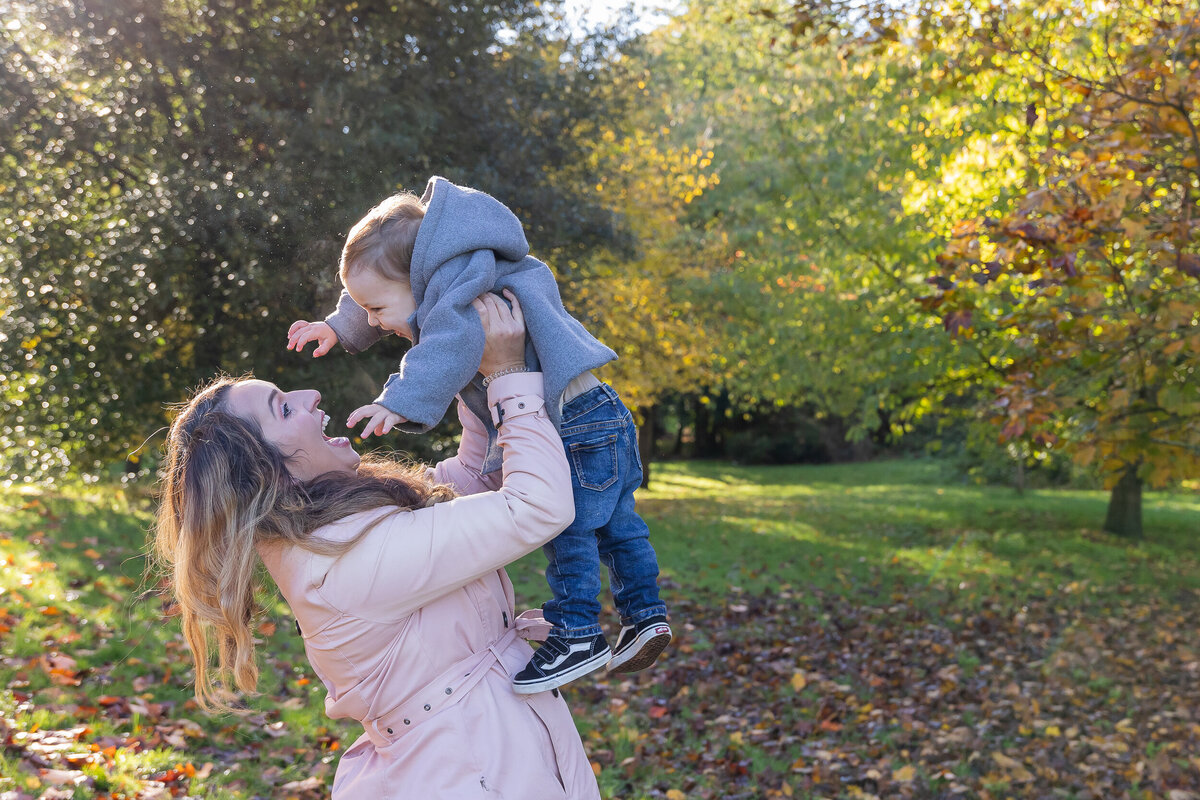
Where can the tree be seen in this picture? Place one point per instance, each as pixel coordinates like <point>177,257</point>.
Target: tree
<point>1086,294</point>
<point>177,180</point>
<point>840,161</point>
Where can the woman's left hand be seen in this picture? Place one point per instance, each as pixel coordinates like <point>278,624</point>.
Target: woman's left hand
<point>503,331</point>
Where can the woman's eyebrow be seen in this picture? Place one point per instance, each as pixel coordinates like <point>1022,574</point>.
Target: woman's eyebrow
<point>271,400</point>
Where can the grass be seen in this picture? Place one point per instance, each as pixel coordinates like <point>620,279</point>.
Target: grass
<point>719,529</point>
<point>781,555</point>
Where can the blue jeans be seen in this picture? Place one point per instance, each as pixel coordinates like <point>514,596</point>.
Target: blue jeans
<point>601,444</point>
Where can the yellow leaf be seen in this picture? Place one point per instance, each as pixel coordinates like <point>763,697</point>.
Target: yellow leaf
<point>906,774</point>
<point>799,681</point>
<point>1053,730</point>
<point>675,794</point>
<point>1016,770</point>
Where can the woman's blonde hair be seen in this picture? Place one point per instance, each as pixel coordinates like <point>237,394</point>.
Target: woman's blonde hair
<point>383,240</point>
<point>226,490</point>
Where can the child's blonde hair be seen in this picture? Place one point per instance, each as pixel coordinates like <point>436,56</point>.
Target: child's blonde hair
<point>383,239</point>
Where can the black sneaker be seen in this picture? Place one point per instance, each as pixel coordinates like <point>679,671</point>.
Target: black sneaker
<point>561,659</point>
<point>640,645</point>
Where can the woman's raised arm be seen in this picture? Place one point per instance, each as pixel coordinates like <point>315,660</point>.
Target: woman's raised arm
<point>412,557</point>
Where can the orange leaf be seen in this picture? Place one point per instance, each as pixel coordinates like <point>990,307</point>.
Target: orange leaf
<point>658,712</point>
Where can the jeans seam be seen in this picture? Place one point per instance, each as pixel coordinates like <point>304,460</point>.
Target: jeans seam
<point>606,398</point>
<point>613,424</point>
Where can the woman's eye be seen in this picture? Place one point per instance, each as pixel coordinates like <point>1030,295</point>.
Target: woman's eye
<point>286,411</point>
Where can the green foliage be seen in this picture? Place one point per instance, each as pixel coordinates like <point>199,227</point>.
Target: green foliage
<point>1084,294</point>
<point>175,183</point>
<point>839,172</point>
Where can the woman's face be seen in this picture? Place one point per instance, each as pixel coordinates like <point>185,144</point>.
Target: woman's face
<point>293,423</point>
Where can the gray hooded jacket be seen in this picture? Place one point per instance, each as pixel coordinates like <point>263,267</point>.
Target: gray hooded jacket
<point>470,243</point>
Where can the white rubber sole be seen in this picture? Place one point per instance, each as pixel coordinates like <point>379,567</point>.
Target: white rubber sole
<point>643,651</point>
<point>554,681</point>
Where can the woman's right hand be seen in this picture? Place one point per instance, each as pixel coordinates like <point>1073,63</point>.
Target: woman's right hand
<point>503,331</point>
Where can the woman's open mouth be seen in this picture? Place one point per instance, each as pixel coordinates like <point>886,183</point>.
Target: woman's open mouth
<point>336,441</point>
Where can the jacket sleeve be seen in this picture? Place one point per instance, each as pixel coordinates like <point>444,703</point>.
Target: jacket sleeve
<point>464,471</point>
<point>449,342</point>
<point>349,322</point>
<point>412,557</point>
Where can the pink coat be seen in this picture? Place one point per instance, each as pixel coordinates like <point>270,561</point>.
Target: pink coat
<point>414,633</point>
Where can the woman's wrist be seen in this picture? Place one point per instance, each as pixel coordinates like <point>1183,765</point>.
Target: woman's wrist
<point>508,369</point>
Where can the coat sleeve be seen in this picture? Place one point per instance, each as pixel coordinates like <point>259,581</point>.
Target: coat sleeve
<point>349,322</point>
<point>449,342</point>
<point>464,471</point>
<point>413,557</point>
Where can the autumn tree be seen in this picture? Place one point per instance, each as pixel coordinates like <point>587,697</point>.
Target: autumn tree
<point>1086,292</point>
<point>844,159</point>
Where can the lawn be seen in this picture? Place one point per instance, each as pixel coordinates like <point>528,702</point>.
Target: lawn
<point>842,631</point>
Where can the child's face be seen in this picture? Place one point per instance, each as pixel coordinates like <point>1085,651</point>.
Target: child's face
<point>388,303</point>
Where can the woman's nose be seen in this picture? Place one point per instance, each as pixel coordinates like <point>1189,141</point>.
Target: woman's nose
<point>309,398</point>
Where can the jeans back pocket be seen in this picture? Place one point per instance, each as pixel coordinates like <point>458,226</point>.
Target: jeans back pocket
<point>595,462</point>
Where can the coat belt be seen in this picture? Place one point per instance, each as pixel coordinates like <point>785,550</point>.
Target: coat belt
<point>452,684</point>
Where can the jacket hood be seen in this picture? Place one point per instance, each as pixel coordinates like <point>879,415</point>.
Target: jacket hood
<point>458,221</point>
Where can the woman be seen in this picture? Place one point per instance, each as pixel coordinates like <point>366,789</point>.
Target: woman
<point>395,577</point>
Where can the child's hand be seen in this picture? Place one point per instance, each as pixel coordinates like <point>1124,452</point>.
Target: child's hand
<point>381,419</point>
<point>302,332</point>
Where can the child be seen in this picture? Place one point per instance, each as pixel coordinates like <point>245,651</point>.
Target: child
<point>412,267</point>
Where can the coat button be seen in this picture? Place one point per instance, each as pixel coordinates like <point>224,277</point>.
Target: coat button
<point>520,405</point>
<point>427,706</point>
<point>389,730</point>
<point>406,722</point>
<point>449,691</point>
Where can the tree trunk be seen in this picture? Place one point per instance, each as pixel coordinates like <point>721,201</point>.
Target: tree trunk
<point>705,439</point>
<point>1125,506</point>
<point>647,434</point>
<point>683,408</point>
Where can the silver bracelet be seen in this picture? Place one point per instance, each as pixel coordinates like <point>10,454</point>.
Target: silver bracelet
<point>509,371</point>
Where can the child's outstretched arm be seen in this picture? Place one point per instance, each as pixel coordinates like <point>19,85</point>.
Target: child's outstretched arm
<point>347,325</point>
<point>302,332</point>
